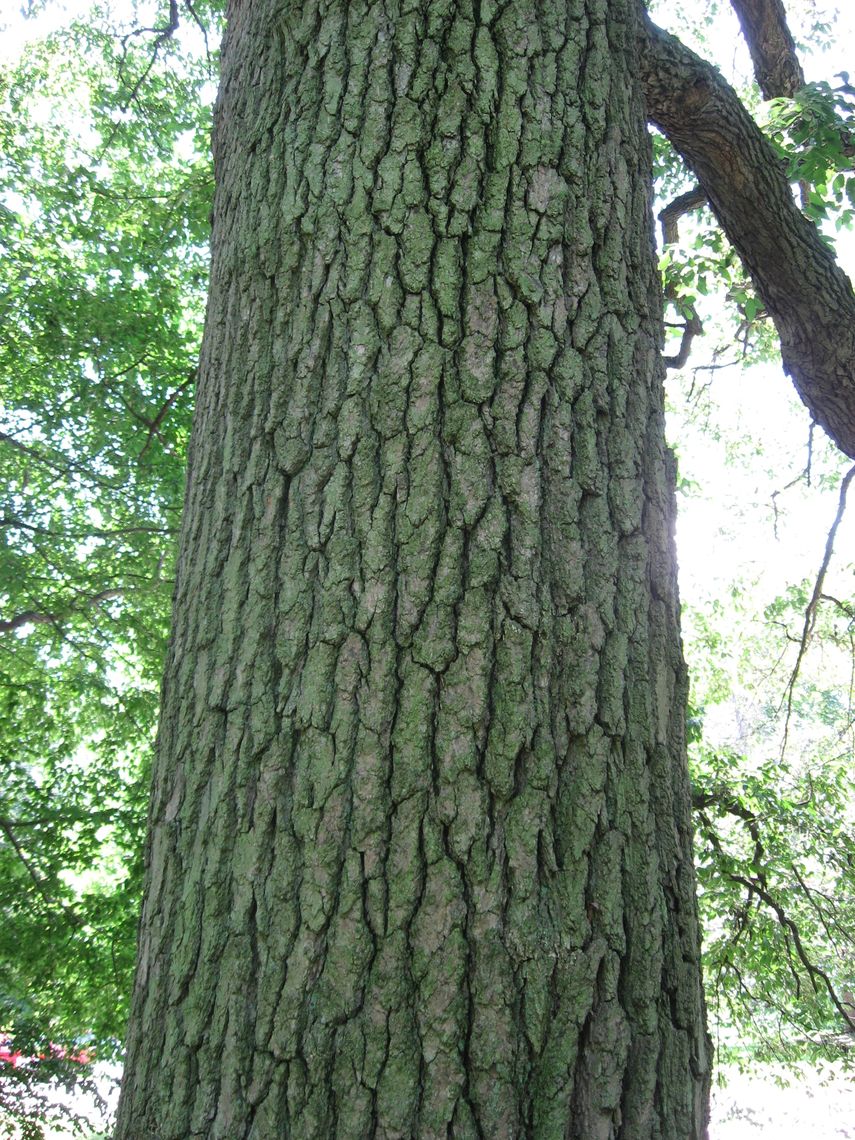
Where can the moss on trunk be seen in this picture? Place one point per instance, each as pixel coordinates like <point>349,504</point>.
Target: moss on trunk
<point>420,861</point>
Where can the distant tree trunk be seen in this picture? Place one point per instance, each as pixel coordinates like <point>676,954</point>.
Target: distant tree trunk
<point>420,861</point>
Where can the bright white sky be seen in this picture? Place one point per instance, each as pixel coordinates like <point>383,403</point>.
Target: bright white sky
<point>15,30</point>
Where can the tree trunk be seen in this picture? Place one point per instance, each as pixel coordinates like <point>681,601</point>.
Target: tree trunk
<point>420,860</point>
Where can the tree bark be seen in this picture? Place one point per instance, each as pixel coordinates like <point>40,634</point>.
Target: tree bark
<point>806,293</point>
<point>771,46</point>
<point>420,858</point>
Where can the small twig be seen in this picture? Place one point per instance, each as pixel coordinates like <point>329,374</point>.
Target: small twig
<point>812,606</point>
<point>162,34</point>
<point>189,6</point>
<point>32,617</point>
<point>65,469</point>
<point>154,425</point>
<point>821,915</point>
<point>669,218</point>
<point>814,972</point>
<point>844,607</point>
<point>805,475</point>
<point>12,522</point>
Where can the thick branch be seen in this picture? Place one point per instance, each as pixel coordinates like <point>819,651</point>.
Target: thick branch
<point>805,292</point>
<point>773,52</point>
<point>670,216</point>
<point>27,617</point>
<point>33,617</point>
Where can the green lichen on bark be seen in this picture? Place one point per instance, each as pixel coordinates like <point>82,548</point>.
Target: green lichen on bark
<point>420,859</point>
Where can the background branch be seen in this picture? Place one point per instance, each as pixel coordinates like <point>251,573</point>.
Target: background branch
<point>808,296</point>
<point>770,43</point>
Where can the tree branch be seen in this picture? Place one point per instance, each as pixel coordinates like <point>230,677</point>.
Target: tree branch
<point>773,52</point>
<point>808,296</point>
<point>669,218</point>
<point>810,612</point>
<point>14,522</point>
<point>162,34</point>
<point>814,972</point>
<point>670,215</point>
<point>27,617</point>
<point>692,327</point>
<point>39,882</point>
<point>154,425</point>
<point>32,617</point>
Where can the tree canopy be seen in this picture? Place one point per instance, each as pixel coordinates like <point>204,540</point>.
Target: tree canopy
<point>105,188</point>
<point>105,192</point>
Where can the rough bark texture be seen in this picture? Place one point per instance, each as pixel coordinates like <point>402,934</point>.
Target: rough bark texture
<point>808,296</point>
<point>420,861</point>
<point>770,43</point>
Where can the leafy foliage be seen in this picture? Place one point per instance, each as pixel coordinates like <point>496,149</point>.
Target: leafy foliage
<point>105,188</point>
<point>771,735</point>
<point>775,869</point>
<point>814,132</point>
<point>773,791</point>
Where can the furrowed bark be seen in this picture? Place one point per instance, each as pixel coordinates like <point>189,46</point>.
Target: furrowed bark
<point>420,861</point>
<point>770,43</point>
<point>808,296</point>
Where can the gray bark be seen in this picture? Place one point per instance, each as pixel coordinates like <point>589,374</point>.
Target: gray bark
<point>420,861</point>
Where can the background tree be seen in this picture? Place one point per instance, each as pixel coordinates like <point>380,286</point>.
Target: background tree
<point>105,186</point>
<point>773,797</point>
